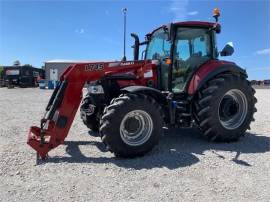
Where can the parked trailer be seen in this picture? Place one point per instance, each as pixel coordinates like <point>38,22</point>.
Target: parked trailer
<point>22,76</point>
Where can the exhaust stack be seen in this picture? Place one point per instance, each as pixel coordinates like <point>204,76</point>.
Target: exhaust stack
<point>135,46</point>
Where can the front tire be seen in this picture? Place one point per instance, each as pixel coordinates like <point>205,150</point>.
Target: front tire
<point>224,108</point>
<point>90,120</point>
<point>131,125</point>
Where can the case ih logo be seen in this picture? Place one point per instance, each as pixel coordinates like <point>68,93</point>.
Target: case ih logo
<point>94,67</point>
<point>127,63</point>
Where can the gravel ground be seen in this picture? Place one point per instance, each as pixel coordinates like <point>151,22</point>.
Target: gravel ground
<point>183,167</point>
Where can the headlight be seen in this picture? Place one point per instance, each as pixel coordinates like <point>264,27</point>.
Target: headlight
<point>95,89</point>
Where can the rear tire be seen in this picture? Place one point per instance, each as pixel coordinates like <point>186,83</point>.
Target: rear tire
<point>131,125</point>
<point>224,108</point>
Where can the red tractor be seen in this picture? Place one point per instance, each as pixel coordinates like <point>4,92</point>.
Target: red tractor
<point>180,82</point>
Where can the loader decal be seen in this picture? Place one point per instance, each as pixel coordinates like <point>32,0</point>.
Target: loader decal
<point>94,67</point>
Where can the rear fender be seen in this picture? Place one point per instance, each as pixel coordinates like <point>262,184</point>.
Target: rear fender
<point>208,72</point>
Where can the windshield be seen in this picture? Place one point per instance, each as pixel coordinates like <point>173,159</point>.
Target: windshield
<point>158,47</point>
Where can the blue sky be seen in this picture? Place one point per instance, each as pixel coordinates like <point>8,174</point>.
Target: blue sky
<point>37,31</point>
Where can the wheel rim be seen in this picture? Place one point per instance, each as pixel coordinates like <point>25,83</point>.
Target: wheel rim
<point>136,127</point>
<point>233,109</point>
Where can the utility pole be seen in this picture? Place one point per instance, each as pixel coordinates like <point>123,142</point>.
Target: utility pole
<point>124,10</point>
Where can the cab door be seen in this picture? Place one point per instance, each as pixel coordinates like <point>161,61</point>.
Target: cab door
<point>159,48</point>
<point>192,49</point>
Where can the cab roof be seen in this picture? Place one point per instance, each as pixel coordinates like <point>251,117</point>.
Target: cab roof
<point>195,23</point>
<point>189,24</point>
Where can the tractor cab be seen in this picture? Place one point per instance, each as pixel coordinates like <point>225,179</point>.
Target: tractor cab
<point>180,49</point>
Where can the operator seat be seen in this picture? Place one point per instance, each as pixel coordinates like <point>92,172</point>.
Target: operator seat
<point>195,60</point>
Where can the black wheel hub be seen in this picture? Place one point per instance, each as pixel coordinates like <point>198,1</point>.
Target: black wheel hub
<point>228,108</point>
<point>132,125</point>
<point>233,109</point>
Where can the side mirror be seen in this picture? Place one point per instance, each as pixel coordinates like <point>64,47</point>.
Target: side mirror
<point>227,50</point>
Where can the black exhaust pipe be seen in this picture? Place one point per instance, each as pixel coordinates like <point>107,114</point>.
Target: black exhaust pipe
<point>135,46</point>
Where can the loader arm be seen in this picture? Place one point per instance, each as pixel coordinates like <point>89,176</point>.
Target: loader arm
<point>63,105</point>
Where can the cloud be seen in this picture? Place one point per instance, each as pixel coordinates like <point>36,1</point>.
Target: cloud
<point>179,10</point>
<point>80,31</point>
<point>193,13</point>
<point>263,52</point>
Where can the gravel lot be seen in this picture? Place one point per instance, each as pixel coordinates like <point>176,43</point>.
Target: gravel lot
<point>183,167</point>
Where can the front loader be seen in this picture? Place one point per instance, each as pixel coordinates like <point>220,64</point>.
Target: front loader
<point>180,82</point>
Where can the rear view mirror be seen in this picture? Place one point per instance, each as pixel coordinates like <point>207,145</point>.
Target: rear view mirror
<point>227,50</point>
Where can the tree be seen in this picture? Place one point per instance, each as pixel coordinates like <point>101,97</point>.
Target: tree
<point>16,63</point>
<point>28,65</point>
<point>1,71</point>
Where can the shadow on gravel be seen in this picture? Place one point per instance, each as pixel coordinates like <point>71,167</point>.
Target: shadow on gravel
<point>176,149</point>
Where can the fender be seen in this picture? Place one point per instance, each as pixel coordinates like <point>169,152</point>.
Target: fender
<point>210,70</point>
<point>154,93</point>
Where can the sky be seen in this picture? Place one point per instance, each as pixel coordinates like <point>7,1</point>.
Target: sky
<point>37,31</point>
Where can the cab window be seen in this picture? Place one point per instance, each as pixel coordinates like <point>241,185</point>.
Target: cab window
<point>192,49</point>
<point>200,46</point>
<point>158,47</point>
<point>183,48</point>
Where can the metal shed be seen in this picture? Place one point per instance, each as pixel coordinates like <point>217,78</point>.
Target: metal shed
<point>54,68</point>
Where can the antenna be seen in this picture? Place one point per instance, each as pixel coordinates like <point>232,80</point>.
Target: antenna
<point>124,10</point>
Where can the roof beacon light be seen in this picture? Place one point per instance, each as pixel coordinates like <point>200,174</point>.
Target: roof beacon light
<point>216,14</point>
